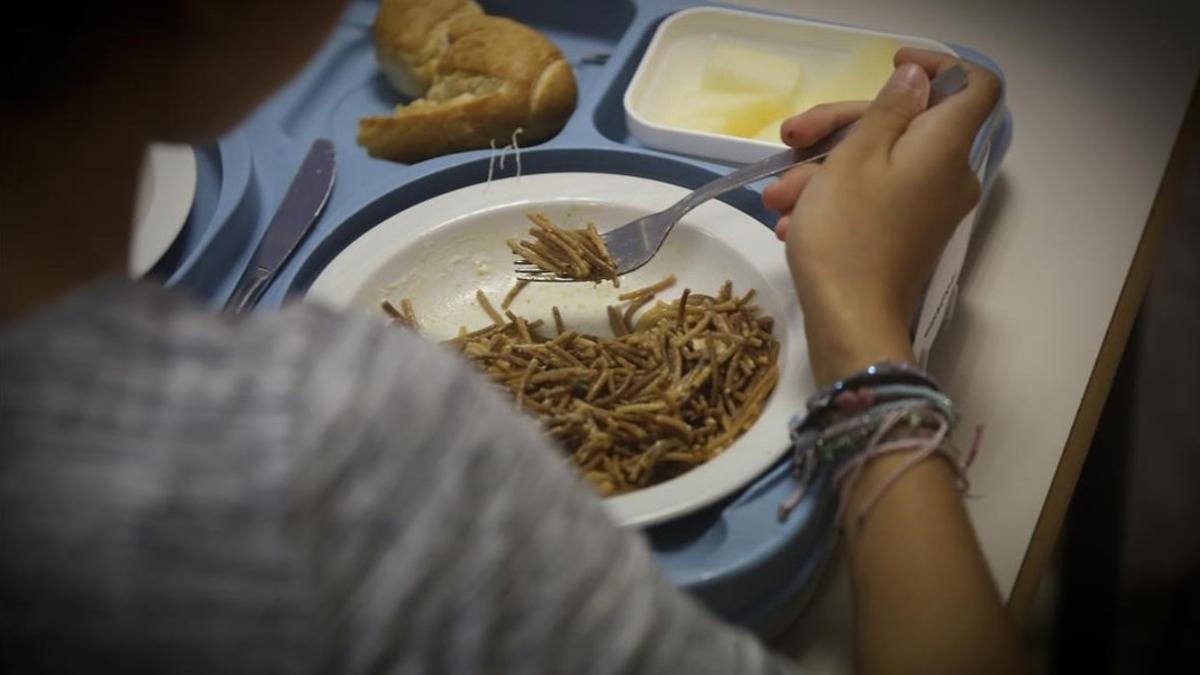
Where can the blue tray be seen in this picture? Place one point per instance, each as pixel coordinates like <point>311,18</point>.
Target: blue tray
<point>735,556</point>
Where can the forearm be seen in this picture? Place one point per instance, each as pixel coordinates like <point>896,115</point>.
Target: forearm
<point>863,234</point>
<point>924,599</point>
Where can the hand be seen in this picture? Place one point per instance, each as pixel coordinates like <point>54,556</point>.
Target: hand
<point>864,230</point>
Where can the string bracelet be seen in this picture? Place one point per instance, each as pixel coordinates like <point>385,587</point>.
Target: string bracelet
<point>919,443</point>
<point>885,409</point>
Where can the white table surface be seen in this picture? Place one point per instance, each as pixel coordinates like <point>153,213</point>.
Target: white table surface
<point>1097,92</point>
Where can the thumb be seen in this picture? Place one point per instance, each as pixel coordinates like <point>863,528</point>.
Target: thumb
<point>903,97</point>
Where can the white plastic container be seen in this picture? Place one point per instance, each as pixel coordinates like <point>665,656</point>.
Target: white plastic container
<point>674,61</point>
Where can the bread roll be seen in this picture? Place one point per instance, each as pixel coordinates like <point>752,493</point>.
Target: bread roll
<point>481,77</point>
<point>410,36</point>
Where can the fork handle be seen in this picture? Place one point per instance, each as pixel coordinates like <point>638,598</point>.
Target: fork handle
<point>949,82</point>
<point>770,166</point>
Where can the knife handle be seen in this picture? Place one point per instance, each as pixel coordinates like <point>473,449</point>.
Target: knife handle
<point>249,289</point>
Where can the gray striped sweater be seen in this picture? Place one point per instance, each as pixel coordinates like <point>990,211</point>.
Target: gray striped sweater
<point>302,492</point>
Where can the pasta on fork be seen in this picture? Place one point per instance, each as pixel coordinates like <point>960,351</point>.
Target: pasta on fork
<point>578,254</point>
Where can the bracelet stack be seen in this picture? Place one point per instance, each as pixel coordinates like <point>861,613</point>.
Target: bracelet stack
<point>888,408</point>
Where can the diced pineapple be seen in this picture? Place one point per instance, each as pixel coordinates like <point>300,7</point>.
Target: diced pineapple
<point>860,78</point>
<point>697,121</point>
<point>742,68</point>
<point>770,131</point>
<point>742,114</point>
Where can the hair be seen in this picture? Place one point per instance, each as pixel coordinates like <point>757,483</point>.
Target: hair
<point>50,47</point>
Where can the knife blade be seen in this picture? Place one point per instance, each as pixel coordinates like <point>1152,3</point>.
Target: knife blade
<point>299,209</point>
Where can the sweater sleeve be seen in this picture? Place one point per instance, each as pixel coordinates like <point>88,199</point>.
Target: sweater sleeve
<point>451,537</point>
<point>304,492</point>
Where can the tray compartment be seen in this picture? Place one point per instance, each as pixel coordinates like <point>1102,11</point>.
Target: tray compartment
<point>340,85</point>
<point>204,203</point>
<point>221,222</point>
<point>609,115</point>
<point>344,84</point>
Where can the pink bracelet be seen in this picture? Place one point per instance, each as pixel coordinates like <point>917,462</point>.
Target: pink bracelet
<point>920,445</point>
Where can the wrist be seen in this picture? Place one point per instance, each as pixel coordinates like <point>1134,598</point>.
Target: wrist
<point>845,340</point>
<point>913,483</point>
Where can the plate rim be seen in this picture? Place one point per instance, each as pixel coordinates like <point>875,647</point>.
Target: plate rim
<point>172,173</point>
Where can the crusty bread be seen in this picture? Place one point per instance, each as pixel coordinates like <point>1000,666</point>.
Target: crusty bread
<point>409,37</point>
<point>481,77</point>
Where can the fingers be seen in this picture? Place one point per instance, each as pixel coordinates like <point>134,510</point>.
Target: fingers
<point>949,128</point>
<point>970,191</point>
<point>781,195</point>
<point>983,87</point>
<point>934,63</point>
<point>901,99</point>
<point>801,131</point>
<point>781,227</point>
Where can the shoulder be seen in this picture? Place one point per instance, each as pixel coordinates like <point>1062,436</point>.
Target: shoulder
<point>143,358</point>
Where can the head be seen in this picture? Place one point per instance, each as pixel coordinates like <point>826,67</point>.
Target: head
<point>188,70</point>
<point>85,87</point>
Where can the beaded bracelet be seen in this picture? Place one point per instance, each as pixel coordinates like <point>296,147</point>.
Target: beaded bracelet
<point>844,392</point>
<point>877,375</point>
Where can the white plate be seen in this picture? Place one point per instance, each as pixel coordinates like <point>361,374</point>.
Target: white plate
<point>166,188</point>
<point>439,252</point>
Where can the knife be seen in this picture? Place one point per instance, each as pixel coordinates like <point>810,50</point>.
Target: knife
<point>293,220</point>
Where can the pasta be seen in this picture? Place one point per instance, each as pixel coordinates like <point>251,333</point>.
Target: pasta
<point>403,316</point>
<point>572,254</point>
<point>513,293</point>
<point>670,390</point>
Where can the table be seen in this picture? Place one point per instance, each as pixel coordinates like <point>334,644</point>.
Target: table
<point>1060,259</point>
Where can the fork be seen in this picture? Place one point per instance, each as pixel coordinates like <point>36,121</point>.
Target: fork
<point>634,244</point>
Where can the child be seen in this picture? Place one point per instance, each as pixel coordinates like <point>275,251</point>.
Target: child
<point>183,492</point>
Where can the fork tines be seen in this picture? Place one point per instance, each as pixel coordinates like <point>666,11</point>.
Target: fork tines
<point>531,272</point>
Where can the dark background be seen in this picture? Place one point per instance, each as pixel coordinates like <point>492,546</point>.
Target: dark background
<point>1125,594</point>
